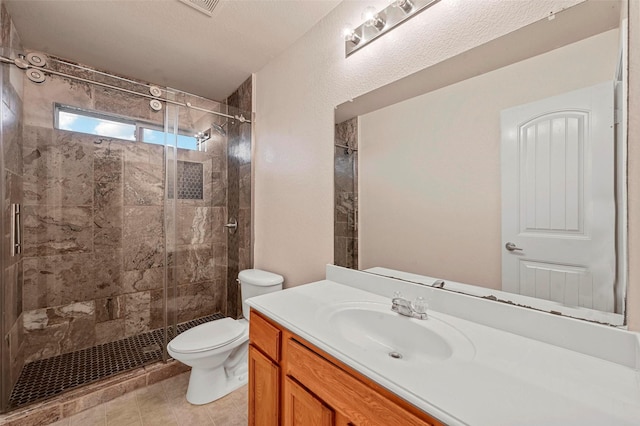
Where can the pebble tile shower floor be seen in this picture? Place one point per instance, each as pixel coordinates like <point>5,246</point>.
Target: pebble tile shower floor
<point>51,376</point>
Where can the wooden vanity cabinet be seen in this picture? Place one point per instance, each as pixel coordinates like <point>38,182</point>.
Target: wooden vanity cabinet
<point>264,389</point>
<point>302,408</point>
<point>293,383</point>
<point>264,372</point>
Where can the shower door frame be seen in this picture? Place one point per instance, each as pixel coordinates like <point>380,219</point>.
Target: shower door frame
<point>5,362</point>
<point>171,128</point>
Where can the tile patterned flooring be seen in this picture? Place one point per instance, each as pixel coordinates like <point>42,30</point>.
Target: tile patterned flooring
<point>164,404</point>
<point>48,377</point>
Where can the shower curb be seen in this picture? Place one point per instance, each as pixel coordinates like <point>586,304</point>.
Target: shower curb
<point>78,400</point>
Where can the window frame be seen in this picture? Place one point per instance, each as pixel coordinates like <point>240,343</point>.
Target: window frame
<point>139,125</point>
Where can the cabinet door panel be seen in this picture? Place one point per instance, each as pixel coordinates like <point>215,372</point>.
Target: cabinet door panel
<point>303,409</point>
<point>265,336</point>
<point>343,392</point>
<point>264,389</point>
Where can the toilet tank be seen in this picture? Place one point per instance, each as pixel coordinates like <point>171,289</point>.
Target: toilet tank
<point>255,282</point>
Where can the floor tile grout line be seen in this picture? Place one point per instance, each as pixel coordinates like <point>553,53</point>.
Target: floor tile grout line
<point>167,398</point>
<point>211,419</point>
<point>139,409</point>
<point>104,417</point>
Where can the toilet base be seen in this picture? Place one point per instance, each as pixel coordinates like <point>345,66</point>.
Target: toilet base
<point>208,385</point>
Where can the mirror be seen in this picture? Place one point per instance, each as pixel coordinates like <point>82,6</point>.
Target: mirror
<point>501,171</point>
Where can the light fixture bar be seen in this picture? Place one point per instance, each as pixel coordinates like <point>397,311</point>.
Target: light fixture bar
<point>387,19</point>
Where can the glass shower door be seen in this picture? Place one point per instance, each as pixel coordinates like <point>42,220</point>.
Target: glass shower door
<point>197,243</point>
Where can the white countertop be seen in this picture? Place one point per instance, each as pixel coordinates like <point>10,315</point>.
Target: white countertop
<point>507,380</point>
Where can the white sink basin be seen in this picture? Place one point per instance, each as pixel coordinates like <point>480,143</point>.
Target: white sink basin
<point>374,328</point>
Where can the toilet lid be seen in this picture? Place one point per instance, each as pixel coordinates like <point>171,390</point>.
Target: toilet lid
<point>210,335</point>
<point>260,278</point>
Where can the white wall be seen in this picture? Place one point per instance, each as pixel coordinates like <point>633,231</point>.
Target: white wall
<point>429,167</point>
<point>295,98</point>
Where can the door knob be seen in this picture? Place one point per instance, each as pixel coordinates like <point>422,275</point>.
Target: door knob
<point>512,247</point>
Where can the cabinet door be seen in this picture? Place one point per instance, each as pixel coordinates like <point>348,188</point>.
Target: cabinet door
<point>355,399</point>
<point>264,389</point>
<point>303,409</point>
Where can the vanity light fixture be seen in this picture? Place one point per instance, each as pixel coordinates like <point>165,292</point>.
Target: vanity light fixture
<point>350,35</point>
<point>373,19</point>
<point>377,23</point>
<point>405,5</point>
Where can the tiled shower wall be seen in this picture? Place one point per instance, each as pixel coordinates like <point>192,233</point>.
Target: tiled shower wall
<point>346,194</point>
<point>94,223</point>
<point>201,241</point>
<point>240,253</point>
<point>12,180</point>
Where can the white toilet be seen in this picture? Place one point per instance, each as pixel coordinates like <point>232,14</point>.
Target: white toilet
<point>217,351</point>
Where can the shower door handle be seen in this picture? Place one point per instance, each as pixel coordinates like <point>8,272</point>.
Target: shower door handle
<point>16,236</point>
<point>232,226</point>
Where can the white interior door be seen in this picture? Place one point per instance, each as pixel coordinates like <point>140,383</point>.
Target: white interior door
<point>558,198</point>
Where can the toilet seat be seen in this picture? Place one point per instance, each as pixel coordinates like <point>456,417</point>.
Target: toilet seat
<point>208,336</point>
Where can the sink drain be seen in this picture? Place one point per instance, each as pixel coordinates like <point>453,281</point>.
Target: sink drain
<point>396,355</point>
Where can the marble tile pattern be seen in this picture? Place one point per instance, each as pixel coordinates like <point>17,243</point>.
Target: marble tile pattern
<point>143,237</point>
<point>98,228</point>
<point>58,167</point>
<point>52,331</point>
<point>108,193</point>
<point>346,193</point>
<point>239,194</point>
<point>12,190</point>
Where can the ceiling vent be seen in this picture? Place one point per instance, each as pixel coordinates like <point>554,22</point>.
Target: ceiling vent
<point>204,6</point>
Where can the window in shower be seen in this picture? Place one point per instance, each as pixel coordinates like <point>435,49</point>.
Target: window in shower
<point>111,126</point>
<point>150,134</point>
<point>77,120</point>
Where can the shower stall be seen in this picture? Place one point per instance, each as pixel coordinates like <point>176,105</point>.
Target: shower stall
<point>119,201</point>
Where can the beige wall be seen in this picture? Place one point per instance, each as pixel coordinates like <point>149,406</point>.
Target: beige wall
<point>430,200</point>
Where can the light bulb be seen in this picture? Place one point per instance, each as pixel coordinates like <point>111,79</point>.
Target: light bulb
<point>368,15</point>
<point>372,18</point>
<point>405,5</point>
<point>347,30</point>
<point>349,34</point>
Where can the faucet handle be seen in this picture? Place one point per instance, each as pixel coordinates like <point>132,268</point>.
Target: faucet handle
<point>420,305</point>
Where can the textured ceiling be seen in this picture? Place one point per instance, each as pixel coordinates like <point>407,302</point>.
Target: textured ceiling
<point>165,41</point>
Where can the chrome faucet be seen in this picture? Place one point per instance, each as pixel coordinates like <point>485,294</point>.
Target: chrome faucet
<point>416,309</point>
